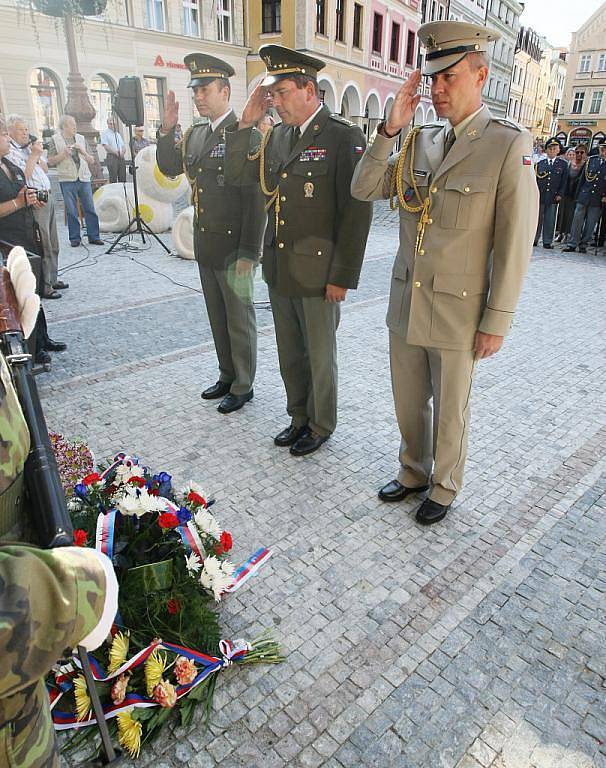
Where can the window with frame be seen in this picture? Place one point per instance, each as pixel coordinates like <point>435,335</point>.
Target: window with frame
<point>272,16</point>
<point>321,17</point>
<point>153,100</point>
<point>101,90</point>
<point>410,48</point>
<point>433,10</point>
<point>577,103</point>
<point>155,15</point>
<point>191,18</point>
<point>596,102</point>
<point>585,62</point>
<point>224,20</point>
<point>377,33</point>
<point>46,98</point>
<point>357,26</point>
<point>601,62</point>
<point>394,48</point>
<point>340,26</point>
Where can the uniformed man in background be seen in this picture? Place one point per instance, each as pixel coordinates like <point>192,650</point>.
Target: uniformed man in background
<point>591,195</point>
<point>315,236</point>
<point>468,210</point>
<point>228,226</point>
<point>552,177</point>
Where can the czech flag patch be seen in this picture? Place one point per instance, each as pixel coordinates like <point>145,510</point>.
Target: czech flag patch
<point>526,160</point>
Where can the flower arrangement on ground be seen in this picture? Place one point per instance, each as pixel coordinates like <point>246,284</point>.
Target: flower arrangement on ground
<point>171,556</point>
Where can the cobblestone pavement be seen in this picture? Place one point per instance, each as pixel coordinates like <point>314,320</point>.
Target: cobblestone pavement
<point>479,642</point>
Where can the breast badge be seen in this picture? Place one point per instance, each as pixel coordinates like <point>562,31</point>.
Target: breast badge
<point>220,180</point>
<point>308,189</point>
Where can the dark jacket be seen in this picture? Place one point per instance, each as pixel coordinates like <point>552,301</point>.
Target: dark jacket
<point>318,234</point>
<point>17,228</point>
<point>551,179</point>
<point>228,220</point>
<point>592,182</point>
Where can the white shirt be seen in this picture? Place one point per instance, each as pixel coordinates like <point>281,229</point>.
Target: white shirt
<point>19,156</point>
<point>113,140</point>
<point>460,127</point>
<point>305,125</point>
<point>216,123</point>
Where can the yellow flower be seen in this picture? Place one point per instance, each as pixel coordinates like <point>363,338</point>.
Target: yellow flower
<point>154,670</point>
<point>118,652</point>
<point>129,733</point>
<point>83,705</point>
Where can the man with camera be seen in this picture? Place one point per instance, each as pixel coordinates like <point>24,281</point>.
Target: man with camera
<point>26,152</point>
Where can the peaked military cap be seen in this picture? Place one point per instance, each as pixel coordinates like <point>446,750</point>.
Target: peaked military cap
<point>284,62</point>
<point>553,142</point>
<point>204,69</point>
<point>448,42</point>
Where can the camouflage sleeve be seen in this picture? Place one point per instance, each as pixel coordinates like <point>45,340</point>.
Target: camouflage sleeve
<point>49,601</point>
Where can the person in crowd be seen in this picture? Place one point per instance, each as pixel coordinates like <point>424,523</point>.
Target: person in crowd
<point>115,152</point>
<point>552,175</point>
<point>228,226</point>
<point>67,152</point>
<point>591,194</point>
<point>18,227</point>
<point>576,165</point>
<point>538,151</point>
<point>316,232</point>
<point>468,213</point>
<point>139,140</point>
<point>27,153</point>
<point>178,133</point>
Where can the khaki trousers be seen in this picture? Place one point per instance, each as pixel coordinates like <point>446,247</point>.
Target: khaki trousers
<point>45,218</point>
<point>438,440</point>
<point>231,312</point>
<point>306,335</point>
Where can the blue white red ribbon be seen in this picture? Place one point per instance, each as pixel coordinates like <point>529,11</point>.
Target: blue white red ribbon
<point>106,530</point>
<point>249,568</point>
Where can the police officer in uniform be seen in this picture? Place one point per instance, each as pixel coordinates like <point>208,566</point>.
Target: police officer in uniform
<point>468,209</point>
<point>228,226</point>
<point>591,194</point>
<point>552,177</point>
<point>315,236</point>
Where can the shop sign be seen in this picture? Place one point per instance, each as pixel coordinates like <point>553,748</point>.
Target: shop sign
<point>582,122</point>
<point>159,62</point>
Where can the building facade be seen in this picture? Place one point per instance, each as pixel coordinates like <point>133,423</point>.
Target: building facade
<point>147,38</point>
<point>526,81</point>
<point>369,46</point>
<point>503,16</point>
<point>582,115</point>
<point>473,11</point>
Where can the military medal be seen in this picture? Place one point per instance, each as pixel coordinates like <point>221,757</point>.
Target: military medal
<point>308,189</point>
<point>409,194</point>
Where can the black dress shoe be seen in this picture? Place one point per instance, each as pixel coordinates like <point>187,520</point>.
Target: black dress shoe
<point>395,491</point>
<point>582,249</point>
<point>569,249</point>
<point>431,512</point>
<point>74,243</point>
<point>233,402</point>
<point>96,242</point>
<point>51,295</point>
<point>290,435</point>
<point>549,247</point>
<point>42,357</point>
<point>55,346</point>
<point>308,443</point>
<point>60,285</point>
<point>220,389</point>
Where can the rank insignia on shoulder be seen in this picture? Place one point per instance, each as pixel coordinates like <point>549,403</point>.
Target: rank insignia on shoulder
<point>409,194</point>
<point>358,150</point>
<point>312,154</point>
<point>526,160</point>
<point>218,150</point>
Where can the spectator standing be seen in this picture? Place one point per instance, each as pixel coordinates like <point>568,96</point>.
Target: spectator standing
<point>67,152</point>
<point>178,133</point>
<point>566,209</point>
<point>139,141</point>
<point>28,156</point>
<point>590,197</point>
<point>115,150</point>
<point>551,174</point>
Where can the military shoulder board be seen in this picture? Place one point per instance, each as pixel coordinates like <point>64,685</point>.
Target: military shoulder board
<point>507,123</point>
<point>342,120</point>
<point>313,153</point>
<point>218,150</point>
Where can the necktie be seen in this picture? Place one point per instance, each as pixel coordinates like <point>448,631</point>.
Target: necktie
<point>450,140</point>
<point>296,135</point>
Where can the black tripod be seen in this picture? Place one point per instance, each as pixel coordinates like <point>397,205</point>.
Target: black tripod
<point>141,227</point>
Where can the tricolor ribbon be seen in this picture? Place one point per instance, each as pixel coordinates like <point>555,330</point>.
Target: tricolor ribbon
<point>249,568</point>
<point>106,530</point>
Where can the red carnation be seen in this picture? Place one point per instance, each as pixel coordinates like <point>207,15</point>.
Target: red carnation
<point>227,541</point>
<point>134,480</point>
<point>173,606</point>
<point>94,477</point>
<point>196,498</point>
<point>154,492</point>
<point>168,520</point>
<point>80,537</point>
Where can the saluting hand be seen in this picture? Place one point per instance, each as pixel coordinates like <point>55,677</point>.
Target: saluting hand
<point>404,105</point>
<point>171,112</point>
<point>255,107</point>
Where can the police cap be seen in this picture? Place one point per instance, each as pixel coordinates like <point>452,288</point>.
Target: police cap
<point>448,42</point>
<point>284,62</point>
<point>204,69</point>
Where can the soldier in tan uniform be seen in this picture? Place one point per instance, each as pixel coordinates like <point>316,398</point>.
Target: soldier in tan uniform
<point>468,211</point>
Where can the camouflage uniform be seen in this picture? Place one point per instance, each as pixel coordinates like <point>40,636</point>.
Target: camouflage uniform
<point>49,602</point>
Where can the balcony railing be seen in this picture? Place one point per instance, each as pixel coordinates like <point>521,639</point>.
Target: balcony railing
<point>599,74</point>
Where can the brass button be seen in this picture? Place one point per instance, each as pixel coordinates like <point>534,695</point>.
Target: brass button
<point>202,228</point>
<point>220,168</point>
<point>229,231</point>
<point>199,170</point>
<point>284,175</point>
<point>319,253</point>
<point>201,210</point>
<point>283,198</point>
<point>200,190</point>
<point>433,190</point>
<point>421,252</point>
<point>466,189</point>
<point>280,245</point>
<point>430,221</point>
<point>417,283</point>
<point>309,173</point>
<point>281,222</point>
<point>464,293</point>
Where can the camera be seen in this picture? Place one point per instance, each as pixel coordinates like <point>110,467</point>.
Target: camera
<point>41,195</point>
<point>75,155</point>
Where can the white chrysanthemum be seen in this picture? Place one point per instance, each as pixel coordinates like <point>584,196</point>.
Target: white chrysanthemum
<point>124,473</point>
<point>216,575</point>
<point>192,563</point>
<point>137,501</point>
<point>74,505</point>
<point>208,524</point>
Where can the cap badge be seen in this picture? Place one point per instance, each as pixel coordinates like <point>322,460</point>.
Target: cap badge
<point>431,42</point>
<point>192,65</point>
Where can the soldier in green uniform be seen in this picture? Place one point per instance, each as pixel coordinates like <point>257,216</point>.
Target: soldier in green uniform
<point>228,226</point>
<point>316,232</point>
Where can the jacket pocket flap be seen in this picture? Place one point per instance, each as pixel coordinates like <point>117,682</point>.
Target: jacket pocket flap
<point>310,168</point>
<point>468,185</point>
<point>460,285</point>
<point>313,246</point>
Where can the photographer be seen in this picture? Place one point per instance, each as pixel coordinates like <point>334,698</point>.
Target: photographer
<point>27,152</point>
<point>67,152</point>
<point>17,227</point>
